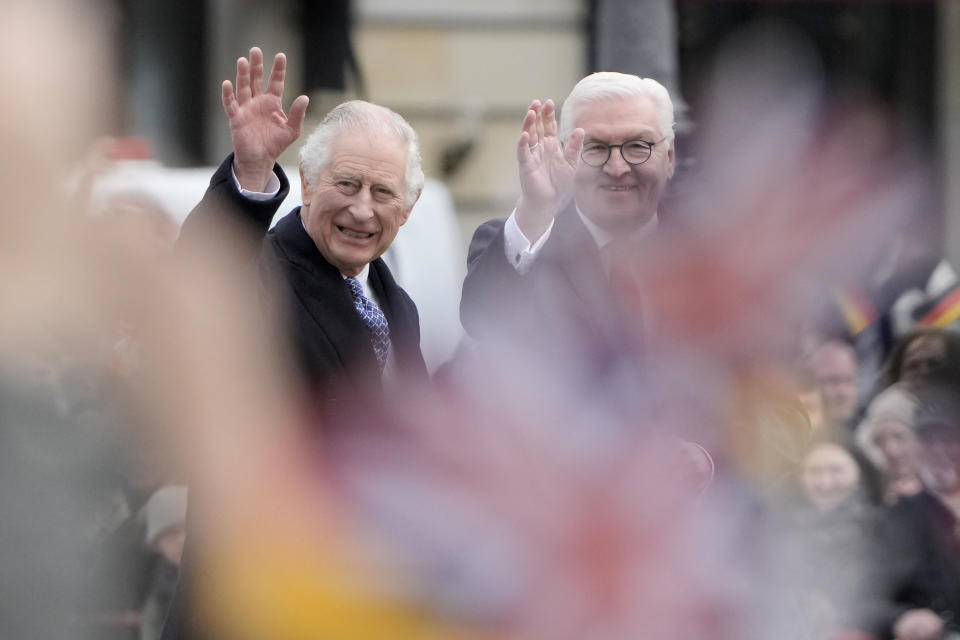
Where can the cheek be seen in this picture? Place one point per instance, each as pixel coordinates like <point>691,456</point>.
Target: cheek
<point>585,178</point>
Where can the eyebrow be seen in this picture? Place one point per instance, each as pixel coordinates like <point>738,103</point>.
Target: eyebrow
<point>635,136</point>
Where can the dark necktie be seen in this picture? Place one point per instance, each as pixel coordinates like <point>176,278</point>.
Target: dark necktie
<point>374,319</point>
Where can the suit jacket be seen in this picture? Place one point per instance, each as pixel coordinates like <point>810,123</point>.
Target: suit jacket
<point>564,307</point>
<point>567,275</point>
<point>328,339</point>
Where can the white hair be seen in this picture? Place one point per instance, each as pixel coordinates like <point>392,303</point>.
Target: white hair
<point>372,119</point>
<point>610,85</point>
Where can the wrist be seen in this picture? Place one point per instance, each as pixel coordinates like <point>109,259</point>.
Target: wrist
<point>253,176</point>
<point>534,219</point>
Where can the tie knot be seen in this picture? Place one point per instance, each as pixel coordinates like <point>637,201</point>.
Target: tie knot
<point>355,289</point>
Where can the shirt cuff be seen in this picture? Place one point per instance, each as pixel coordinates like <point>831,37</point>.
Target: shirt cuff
<point>270,191</point>
<point>520,253</point>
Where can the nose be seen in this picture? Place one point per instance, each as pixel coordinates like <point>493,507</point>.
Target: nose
<point>362,206</point>
<point>616,165</point>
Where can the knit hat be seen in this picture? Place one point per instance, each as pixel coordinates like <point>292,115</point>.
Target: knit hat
<point>895,403</point>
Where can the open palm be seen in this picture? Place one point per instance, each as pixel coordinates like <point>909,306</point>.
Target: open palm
<point>546,166</point>
<point>259,128</point>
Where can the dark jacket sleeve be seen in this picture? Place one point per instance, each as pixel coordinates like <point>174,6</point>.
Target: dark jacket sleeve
<point>224,207</point>
<point>492,285</point>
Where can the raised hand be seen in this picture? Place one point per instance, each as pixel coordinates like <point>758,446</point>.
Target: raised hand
<point>546,169</point>
<point>259,128</point>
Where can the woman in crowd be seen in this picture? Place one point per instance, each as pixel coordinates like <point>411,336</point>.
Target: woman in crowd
<point>925,354</point>
<point>835,528</point>
<point>886,435</point>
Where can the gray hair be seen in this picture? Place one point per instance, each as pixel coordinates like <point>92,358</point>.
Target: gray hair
<point>376,121</point>
<point>610,85</point>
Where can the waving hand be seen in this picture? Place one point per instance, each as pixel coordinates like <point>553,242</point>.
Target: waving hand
<point>260,130</point>
<point>546,168</point>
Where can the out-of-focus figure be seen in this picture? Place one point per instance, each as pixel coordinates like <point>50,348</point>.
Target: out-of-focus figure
<point>925,354</point>
<point>886,434</point>
<point>829,476</point>
<point>925,525</point>
<point>833,366</point>
<point>835,536</point>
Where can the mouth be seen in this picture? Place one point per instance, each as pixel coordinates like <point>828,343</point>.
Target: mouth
<point>351,233</point>
<point>623,187</point>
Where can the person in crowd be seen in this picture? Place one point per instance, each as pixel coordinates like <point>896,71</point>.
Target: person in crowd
<point>351,328</point>
<point>886,435</point>
<point>924,526</point>
<point>928,353</point>
<point>589,187</point>
<point>835,537</point>
<point>833,365</point>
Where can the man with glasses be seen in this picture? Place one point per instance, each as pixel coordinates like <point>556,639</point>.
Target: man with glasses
<point>596,178</point>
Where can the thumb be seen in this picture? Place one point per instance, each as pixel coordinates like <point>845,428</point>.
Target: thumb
<point>298,111</point>
<point>571,151</point>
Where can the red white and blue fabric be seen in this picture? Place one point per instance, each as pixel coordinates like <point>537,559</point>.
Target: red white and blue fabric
<point>374,319</point>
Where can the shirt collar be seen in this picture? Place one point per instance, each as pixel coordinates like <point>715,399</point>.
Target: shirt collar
<point>362,276</point>
<point>603,237</point>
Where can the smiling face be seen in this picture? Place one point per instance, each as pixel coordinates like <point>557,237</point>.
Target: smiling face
<point>829,476</point>
<point>619,196</point>
<point>354,208</point>
<point>835,372</point>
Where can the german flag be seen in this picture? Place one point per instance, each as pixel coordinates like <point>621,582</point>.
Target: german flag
<point>855,306</point>
<point>944,312</point>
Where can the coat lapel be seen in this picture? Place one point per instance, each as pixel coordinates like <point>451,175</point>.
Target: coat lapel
<point>320,289</point>
<point>573,253</point>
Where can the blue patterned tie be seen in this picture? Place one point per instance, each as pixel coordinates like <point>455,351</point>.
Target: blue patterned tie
<point>374,319</point>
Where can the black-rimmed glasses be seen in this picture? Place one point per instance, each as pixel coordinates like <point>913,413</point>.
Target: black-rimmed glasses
<point>596,154</point>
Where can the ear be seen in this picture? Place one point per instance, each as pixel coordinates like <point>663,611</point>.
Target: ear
<point>305,191</point>
<point>671,157</point>
<point>407,212</point>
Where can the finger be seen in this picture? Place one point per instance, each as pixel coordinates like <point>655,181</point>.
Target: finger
<point>529,122</point>
<point>230,105</point>
<point>278,75</point>
<point>243,81</point>
<point>298,111</point>
<point>550,119</point>
<point>523,148</point>
<point>256,71</point>
<point>571,151</point>
<point>540,127</point>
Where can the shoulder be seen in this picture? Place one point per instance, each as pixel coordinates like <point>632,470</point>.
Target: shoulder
<point>487,231</point>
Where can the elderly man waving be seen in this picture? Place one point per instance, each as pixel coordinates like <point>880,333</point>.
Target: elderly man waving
<point>350,325</point>
<point>360,171</point>
<point>596,179</point>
